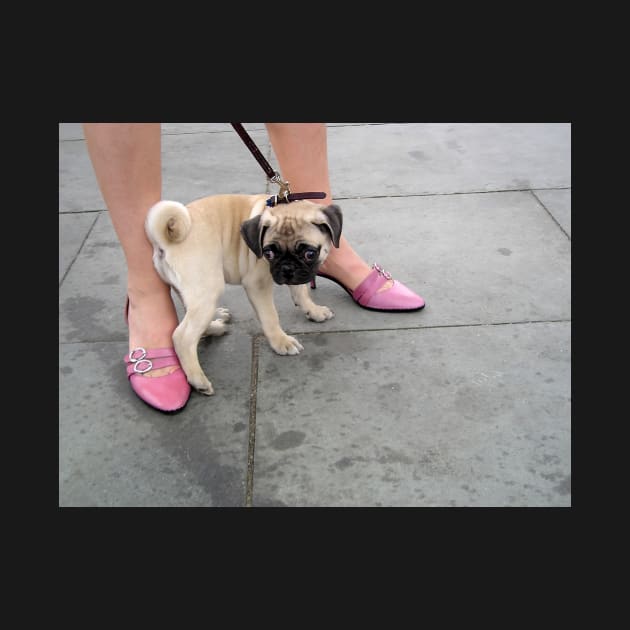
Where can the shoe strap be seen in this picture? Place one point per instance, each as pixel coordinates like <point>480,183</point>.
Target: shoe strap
<point>140,361</point>
<point>371,284</point>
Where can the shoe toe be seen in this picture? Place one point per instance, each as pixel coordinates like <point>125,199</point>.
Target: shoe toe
<point>397,298</point>
<point>166,393</point>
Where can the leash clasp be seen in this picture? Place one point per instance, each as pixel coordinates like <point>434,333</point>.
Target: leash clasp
<point>284,186</point>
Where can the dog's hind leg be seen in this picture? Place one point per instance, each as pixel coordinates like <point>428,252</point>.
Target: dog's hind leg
<point>200,308</point>
<point>218,326</point>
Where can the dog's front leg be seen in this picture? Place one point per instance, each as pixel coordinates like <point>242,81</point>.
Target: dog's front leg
<point>260,294</point>
<point>301,295</point>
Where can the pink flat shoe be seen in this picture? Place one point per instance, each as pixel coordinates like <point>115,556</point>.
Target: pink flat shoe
<point>398,298</point>
<point>166,393</point>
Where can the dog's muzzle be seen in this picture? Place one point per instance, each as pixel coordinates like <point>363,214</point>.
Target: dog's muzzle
<point>290,275</point>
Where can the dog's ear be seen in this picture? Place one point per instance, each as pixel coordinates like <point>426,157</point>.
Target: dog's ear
<point>333,223</point>
<point>252,233</point>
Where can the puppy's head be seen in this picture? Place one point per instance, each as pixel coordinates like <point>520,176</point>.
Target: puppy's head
<point>295,238</point>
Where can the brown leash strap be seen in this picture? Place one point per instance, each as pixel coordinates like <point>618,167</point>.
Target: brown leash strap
<point>245,137</point>
<point>284,195</point>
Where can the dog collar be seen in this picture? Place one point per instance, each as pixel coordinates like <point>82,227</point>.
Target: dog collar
<point>288,197</point>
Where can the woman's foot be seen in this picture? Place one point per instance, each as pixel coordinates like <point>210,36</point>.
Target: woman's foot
<point>152,318</point>
<point>370,287</point>
<point>347,267</point>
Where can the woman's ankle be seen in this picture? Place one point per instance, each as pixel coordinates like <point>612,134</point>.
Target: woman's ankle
<point>152,318</point>
<point>345,265</point>
<point>348,268</point>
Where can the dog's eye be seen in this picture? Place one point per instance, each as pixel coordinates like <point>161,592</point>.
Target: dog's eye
<point>269,254</point>
<point>310,255</point>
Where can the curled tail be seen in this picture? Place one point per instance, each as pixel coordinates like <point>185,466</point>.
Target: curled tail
<point>167,222</point>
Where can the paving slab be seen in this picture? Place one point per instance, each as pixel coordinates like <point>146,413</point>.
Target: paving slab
<point>92,296</point>
<point>226,127</point>
<point>73,230</point>
<point>476,258</point>
<point>408,159</point>
<point>465,416</point>
<point>70,131</point>
<point>74,131</point>
<point>558,203</point>
<point>197,165</point>
<point>194,165</point>
<point>115,451</point>
<point>365,161</point>
<point>220,127</point>
<point>78,189</point>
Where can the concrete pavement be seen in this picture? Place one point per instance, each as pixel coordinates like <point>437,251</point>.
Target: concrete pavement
<point>465,403</point>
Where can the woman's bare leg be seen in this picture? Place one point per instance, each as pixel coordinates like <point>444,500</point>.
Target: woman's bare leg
<point>302,153</point>
<point>127,162</point>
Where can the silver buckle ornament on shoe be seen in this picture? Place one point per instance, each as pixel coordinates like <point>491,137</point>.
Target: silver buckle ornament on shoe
<point>138,360</point>
<point>382,271</point>
<point>141,361</point>
<point>167,392</point>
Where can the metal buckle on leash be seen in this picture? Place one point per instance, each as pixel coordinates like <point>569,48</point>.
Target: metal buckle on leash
<point>284,191</point>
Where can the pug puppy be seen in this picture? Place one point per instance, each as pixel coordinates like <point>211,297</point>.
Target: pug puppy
<point>238,239</point>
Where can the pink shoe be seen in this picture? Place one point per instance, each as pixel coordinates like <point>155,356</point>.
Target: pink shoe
<point>398,298</point>
<point>166,393</point>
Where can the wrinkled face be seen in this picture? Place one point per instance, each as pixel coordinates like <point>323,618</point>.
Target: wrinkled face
<point>294,250</point>
<point>294,239</point>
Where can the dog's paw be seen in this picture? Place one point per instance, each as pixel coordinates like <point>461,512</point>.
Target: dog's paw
<point>202,385</point>
<point>223,315</point>
<point>286,345</point>
<point>217,327</point>
<point>319,313</point>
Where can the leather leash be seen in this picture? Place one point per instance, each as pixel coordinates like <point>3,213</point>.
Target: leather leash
<point>284,195</point>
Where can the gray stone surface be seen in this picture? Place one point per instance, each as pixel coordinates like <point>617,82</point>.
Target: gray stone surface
<point>476,258</point>
<point>408,159</point>
<point>194,165</point>
<point>70,131</point>
<point>92,296</point>
<point>116,451</point>
<point>558,203</point>
<point>465,403</point>
<point>466,416</point>
<point>74,131</point>
<point>72,233</point>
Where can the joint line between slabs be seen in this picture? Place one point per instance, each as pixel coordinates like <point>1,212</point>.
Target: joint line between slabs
<point>251,431</point>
